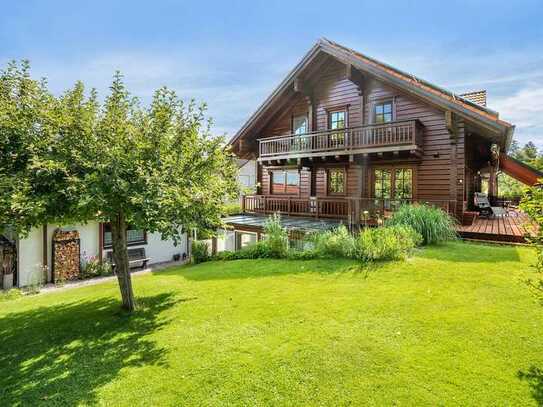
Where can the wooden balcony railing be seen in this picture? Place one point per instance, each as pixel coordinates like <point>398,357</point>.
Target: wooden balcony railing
<point>314,207</point>
<point>353,210</point>
<point>393,136</point>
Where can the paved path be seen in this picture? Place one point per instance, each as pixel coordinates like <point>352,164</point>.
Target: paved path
<point>97,280</point>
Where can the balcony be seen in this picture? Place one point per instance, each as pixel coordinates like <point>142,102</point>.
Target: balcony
<point>349,209</point>
<point>375,138</point>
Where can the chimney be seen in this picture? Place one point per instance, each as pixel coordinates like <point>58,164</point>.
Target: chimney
<point>478,97</point>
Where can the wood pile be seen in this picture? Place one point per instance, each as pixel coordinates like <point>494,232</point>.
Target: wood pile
<point>66,255</point>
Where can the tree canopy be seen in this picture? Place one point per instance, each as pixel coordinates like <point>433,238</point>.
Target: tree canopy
<point>73,159</point>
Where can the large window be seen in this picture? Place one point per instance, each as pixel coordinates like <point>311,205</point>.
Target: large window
<point>133,236</point>
<point>285,182</point>
<point>393,183</point>
<point>336,181</point>
<point>383,112</point>
<point>300,125</point>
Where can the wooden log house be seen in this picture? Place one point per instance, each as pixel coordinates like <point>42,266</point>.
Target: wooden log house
<point>350,138</point>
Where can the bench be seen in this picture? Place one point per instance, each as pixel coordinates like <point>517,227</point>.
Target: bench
<point>136,258</point>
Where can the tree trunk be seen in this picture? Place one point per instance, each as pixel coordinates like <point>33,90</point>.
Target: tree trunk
<point>120,257</point>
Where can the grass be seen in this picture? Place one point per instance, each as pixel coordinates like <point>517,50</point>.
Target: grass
<point>454,325</point>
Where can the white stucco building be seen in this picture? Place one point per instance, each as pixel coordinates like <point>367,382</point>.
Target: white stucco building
<point>35,252</point>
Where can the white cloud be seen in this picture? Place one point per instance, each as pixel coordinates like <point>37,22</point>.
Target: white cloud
<point>525,110</point>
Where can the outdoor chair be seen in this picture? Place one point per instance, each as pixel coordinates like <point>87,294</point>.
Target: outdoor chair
<point>483,206</point>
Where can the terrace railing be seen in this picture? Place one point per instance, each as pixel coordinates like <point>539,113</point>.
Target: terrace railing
<point>394,135</point>
<point>353,210</point>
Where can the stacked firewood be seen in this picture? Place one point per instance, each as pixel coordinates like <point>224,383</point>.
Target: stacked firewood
<point>66,261</point>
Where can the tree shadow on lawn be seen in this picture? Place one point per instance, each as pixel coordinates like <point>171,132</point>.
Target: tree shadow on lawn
<point>257,268</point>
<point>461,252</point>
<point>534,377</point>
<point>62,354</point>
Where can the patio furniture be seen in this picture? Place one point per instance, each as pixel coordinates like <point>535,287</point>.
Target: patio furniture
<point>483,206</point>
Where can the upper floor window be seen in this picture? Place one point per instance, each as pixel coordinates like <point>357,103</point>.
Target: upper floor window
<point>383,112</point>
<point>285,182</point>
<point>337,120</point>
<point>300,125</point>
<point>336,181</point>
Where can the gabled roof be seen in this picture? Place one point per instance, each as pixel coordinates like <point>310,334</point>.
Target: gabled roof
<point>434,94</point>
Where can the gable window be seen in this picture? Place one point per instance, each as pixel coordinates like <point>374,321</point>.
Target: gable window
<point>336,181</point>
<point>285,182</point>
<point>383,112</point>
<point>133,236</point>
<point>300,125</point>
<point>337,120</point>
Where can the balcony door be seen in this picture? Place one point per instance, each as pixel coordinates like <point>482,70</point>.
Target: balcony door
<point>392,186</point>
<point>300,128</point>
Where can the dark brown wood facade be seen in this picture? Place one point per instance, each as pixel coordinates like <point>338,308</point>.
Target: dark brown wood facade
<point>442,152</point>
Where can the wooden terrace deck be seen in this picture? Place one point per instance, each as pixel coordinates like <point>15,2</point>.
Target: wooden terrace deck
<point>512,228</point>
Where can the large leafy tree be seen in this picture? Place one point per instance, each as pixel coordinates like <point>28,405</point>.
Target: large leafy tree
<point>74,159</point>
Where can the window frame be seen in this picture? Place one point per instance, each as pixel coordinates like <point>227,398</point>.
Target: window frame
<point>383,102</point>
<point>345,112</point>
<point>393,169</point>
<point>329,172</point>
<point>285,184</point>
<point>105,245</point>
<point>293,126</point>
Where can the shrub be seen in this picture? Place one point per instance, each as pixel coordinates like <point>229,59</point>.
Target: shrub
<point>333,243</point>
<point>433,224</point>
<point>386,243</point>
<point>200,252</point>
<point>232,208</point>
<point>276,237</point>
<point>92,267</point>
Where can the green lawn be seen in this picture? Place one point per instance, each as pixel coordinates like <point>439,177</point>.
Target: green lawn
<point>454,325</point>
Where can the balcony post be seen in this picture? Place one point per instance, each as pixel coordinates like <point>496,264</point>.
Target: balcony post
<point>242,203</point>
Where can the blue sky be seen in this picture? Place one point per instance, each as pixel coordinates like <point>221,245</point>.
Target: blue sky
<point>231,54</point>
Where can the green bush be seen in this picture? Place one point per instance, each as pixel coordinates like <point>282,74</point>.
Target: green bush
<point>276,237</point>
<point>93,267</point>
<point>200,252</point>
<point>232,208</point>
<point>386,243</point>
<point>337,242</point>
<point>433,224</point>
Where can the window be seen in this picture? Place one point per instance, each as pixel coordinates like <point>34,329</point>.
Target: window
<point>244,239</point>
<point>336,181</point>
<point>285,182</point>
<point>383,112</point>
<point>403,183</point>
<point>393,183</point>
<point>133,236</point>
<point>382,186</point>
<point>300,125</point>
<point>337,120</point>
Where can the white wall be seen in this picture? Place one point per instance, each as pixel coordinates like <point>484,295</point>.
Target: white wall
<point>30,256</point>
<point>30,249</point>
<point>247,174</point>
